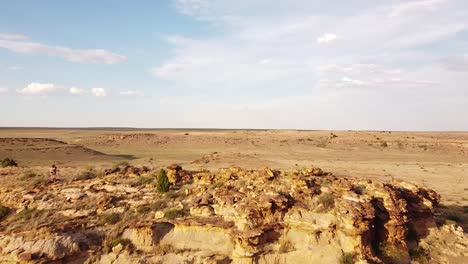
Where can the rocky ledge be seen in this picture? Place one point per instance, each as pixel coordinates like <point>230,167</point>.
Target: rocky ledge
<point>229,216</point>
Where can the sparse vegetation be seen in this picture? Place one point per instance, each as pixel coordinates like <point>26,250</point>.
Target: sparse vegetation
<point>384,144</point>
<point>163,184</point>
<point>26,214</point>
<point>172,214</point>
<point>158,205</point>
<point>419,254</point>
<point>7,162</point>
<point>327,200</point>
<point>27,175</point>
<point>111,219</point>
<point>359,189</point>
<point>392,254</point>
<point>347,258</point>
<point>217,185</point>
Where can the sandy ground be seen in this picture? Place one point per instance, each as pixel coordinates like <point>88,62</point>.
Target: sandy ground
<point>438,160</point>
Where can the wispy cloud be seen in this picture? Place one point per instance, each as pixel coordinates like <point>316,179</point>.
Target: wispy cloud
<point>20,44</point>
<point>416,7</point>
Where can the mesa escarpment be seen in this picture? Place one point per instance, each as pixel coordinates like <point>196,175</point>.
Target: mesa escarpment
<point>231,215</point>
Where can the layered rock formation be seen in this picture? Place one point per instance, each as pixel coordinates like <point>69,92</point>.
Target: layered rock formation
<point>229,216</point>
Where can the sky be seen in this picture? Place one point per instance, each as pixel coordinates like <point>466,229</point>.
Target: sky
<point>291,64</point>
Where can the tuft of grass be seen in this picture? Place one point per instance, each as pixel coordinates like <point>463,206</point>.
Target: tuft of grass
<point>27,214</point>
<point>143,209</point>
<point>111,219</point>
<point>174,195</point>
<point>347,258</point>
<point>27,175</point>
<point>4,211</point>
<point>172,214</point>
<point>7,162</point>
<point>143,181</point>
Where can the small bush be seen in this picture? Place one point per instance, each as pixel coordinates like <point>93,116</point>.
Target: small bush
<point>111,219</point>
<point>384,144</point>
<point>163,182</point>
<point>4,211</point>
<point>172,214</point>
<point>347,258</point>
<point>7,162</point>
<point>327,200</point>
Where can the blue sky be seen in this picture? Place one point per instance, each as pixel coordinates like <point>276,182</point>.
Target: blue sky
<point>304,64</point>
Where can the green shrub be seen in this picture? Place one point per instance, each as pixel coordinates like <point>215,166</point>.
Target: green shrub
<point>7,162</point>
<point>112,218</point>
<point>173,213</point>
<point>163,182</point>
<point>4,211</point>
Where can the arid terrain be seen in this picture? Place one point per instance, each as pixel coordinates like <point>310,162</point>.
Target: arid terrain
<point>237,196</point>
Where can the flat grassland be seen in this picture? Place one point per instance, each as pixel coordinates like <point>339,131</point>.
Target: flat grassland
<point>438,160</point>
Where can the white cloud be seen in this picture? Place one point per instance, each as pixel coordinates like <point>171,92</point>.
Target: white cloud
<point>76,91</point>
<point>327,38</point>
<point>99,92</point>
<point>38,89</point>
<point>131,93</point>
<point>12,36</point>
<point>20,45</point>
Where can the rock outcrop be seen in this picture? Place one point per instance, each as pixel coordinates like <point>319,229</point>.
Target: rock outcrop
<point>229,216</point>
